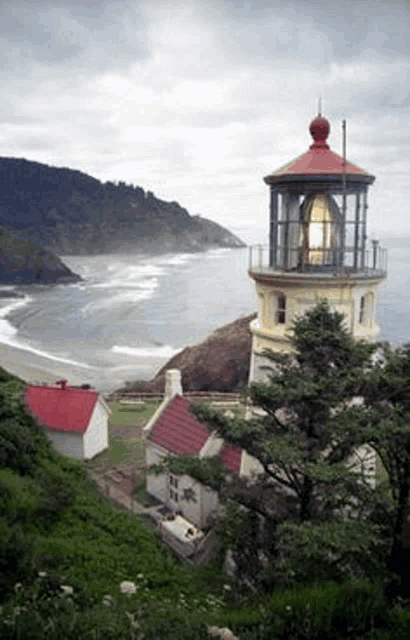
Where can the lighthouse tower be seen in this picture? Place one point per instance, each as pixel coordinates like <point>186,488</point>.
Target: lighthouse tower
<point>317,248</point>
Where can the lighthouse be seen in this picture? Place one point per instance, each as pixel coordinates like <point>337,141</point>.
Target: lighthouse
<point>317,248</point>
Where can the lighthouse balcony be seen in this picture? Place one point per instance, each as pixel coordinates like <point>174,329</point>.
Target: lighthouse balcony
<point>348,262</point>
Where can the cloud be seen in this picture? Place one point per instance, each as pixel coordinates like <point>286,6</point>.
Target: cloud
<point>198,100</point>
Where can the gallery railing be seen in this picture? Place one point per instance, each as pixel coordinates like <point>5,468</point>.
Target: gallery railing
<point>317,260</point>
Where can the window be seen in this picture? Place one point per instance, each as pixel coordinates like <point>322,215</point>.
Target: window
<point>173,495</point>
<point>281,309</point>
<point>173,486</point>
<point>362,310</point>
<point>173,481</point>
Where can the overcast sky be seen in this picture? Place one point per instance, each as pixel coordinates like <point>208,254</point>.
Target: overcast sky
<point>198,100</point>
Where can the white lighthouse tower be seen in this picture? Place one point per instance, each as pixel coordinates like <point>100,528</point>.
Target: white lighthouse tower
<point>317,248</point>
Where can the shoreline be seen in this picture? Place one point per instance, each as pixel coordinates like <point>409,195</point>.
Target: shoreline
<point>11,360</point>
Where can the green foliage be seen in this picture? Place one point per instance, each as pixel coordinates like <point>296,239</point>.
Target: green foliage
<point>52,520</point>
<point>56,492</point>
<point>19,496</point>
<point>324,346</point>
<point>336,550</point>
<point>336,611</point>
<point>22,440</point>
<point>15,554</point>
<point>314,504</point>
<point>208,471</point>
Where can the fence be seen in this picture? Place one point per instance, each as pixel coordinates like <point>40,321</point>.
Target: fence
<point>130,397</point>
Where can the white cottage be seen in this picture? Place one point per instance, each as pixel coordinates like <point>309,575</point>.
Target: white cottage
<point>76,418</point>
<point>174,429</point>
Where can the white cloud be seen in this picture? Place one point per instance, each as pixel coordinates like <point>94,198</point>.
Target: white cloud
<point>197,101</point>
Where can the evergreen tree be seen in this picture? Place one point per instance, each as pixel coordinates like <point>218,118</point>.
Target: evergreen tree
<point>313,500</point>
<point>387,393</point>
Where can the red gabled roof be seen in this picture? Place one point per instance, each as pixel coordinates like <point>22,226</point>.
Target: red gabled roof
<point>61,409</point>
<point>231,457</point>
<point>178,430</point>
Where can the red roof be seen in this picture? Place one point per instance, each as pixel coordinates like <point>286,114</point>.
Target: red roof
<point>178,430</point>
<point>231,457</point>
<point>319,159</point>
<point>61,408</point>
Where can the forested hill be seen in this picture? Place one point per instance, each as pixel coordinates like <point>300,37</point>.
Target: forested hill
<point>70,212</point>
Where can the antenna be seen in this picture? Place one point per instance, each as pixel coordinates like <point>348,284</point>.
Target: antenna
<point>344,191</point>
<point>319,107</point>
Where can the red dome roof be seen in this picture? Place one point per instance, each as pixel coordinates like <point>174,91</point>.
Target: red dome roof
<point>319,130</point>
<point>319,160</point>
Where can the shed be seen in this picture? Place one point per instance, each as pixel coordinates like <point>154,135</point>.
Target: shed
<point>76,419</point>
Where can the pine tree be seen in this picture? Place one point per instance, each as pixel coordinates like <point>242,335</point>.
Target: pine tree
<point>313,501</point>
<point>387,392</point>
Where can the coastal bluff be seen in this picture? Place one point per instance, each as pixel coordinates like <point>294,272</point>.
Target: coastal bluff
<point>69,212</point>
<point>219,363</point>
<point>24,262</point>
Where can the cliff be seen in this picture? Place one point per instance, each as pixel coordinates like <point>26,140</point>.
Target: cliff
<point>23,262</point>
<point>70,212</point>
<point>220,363</point>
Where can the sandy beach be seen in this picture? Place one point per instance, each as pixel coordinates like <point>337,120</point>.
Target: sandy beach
<point>15,361</point>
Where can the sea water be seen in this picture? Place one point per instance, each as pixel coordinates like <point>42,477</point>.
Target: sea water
<point>132,312</point>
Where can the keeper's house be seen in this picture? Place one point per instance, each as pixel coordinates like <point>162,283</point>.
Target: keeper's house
<point>76,418</point>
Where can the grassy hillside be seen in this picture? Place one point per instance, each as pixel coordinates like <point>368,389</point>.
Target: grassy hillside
<point>73,567</point>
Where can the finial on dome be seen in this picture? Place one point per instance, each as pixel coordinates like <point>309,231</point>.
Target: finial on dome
<point>319,130</point>
<point>319,108</point>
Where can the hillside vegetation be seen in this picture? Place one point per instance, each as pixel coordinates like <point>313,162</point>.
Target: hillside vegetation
<point>72,566</point>
<point>70,212</point>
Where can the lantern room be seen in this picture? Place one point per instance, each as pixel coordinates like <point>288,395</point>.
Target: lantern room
<point>318,211</point>
<point>317,245</point>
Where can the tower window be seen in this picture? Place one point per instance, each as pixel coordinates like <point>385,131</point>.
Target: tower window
<point>281,309</point>
<point>362,310</point>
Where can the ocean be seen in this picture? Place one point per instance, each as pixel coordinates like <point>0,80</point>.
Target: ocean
<point>132,312</point>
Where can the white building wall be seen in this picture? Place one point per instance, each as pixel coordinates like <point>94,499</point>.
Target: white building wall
<point>196,511</point>
<point>250,466</point>
<point>69,444</point>
<point>96,436</point>
<point>210,504</point>
<point>156,485</point>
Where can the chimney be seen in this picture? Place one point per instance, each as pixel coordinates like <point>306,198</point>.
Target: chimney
<point>173,385</point>
<point>62,384</point>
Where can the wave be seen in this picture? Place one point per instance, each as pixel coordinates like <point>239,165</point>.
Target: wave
<point>147,352</point>
<point>129,276</point>
<point>215,253</point>
<point>44,354</point>
<point>178,259</point>
<point>8,333</point>
<point>133,296</point>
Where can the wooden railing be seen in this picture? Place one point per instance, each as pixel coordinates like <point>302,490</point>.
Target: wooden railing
<point>215,396</point>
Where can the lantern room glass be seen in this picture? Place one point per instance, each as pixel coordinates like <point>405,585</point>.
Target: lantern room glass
<point>317,237</point>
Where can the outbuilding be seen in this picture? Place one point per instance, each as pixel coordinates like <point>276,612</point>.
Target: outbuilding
<point>76,418</point>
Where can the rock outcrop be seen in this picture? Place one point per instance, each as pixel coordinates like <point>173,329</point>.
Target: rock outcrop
<point>220,363</point>
<point>69,212</point>
<point>23,262</point>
